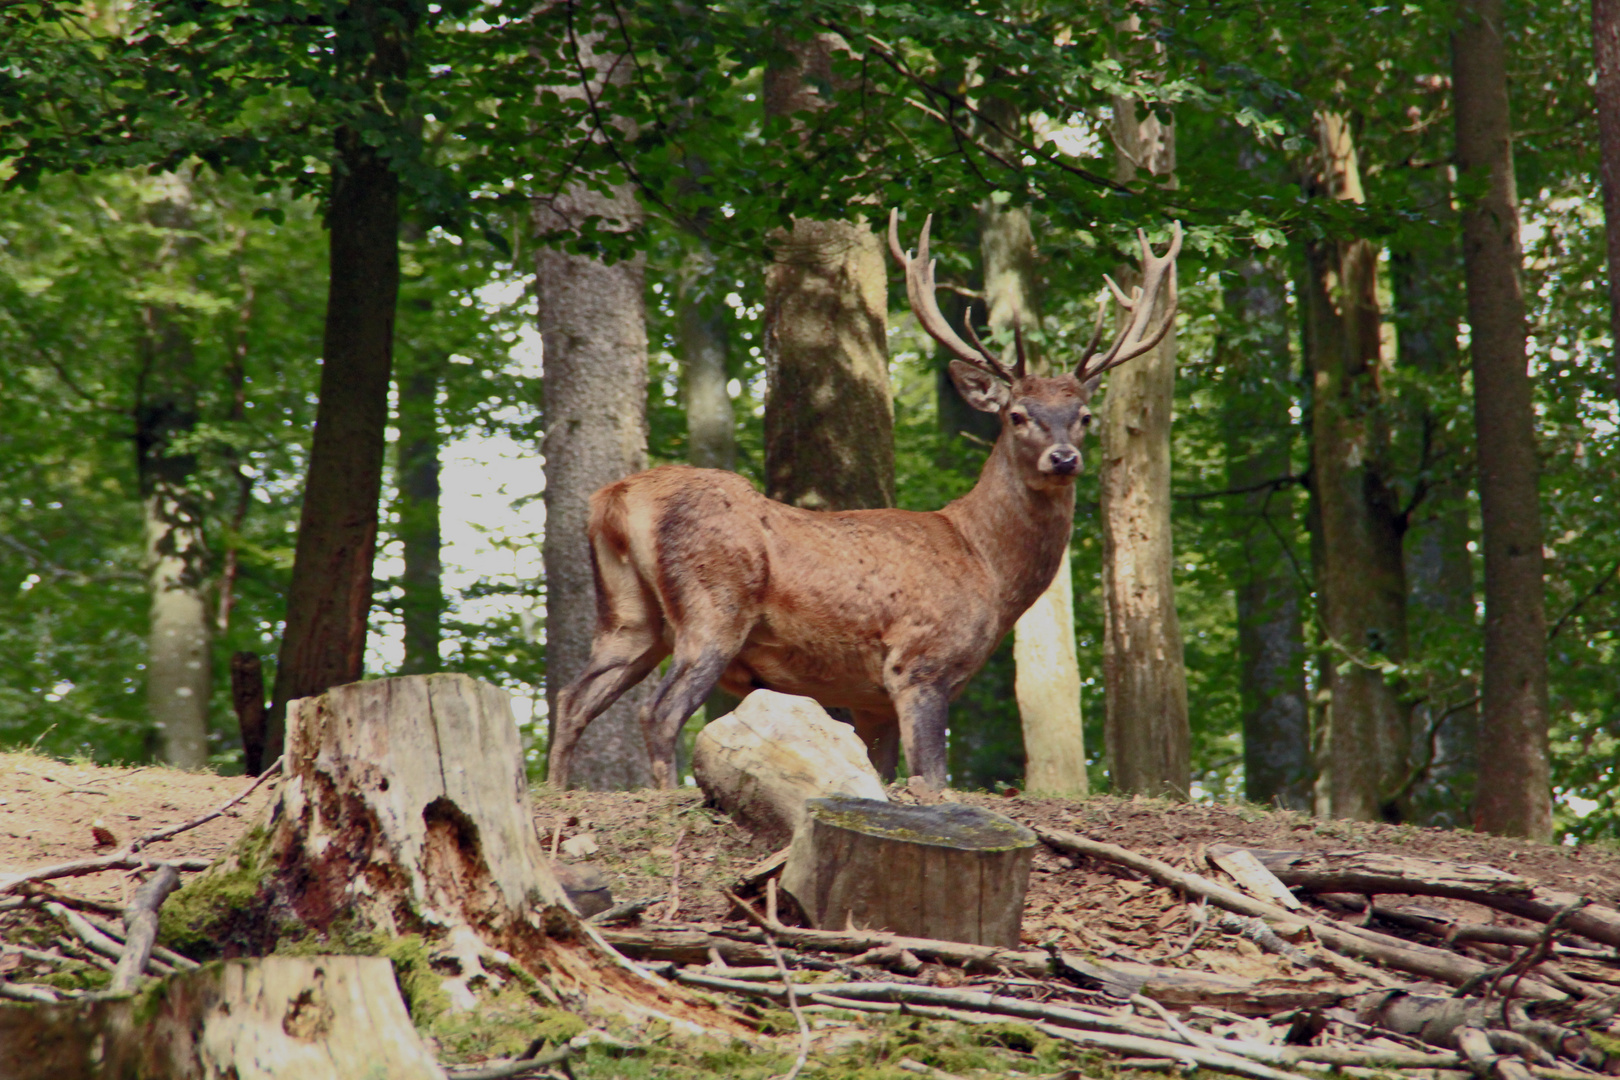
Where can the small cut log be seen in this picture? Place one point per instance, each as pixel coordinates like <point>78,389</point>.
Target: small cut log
<point>761,762</point>
<point>315,1018</point>
<point>949,871</point>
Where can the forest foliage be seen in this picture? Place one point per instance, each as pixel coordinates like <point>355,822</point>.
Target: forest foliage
<point>98,102</point>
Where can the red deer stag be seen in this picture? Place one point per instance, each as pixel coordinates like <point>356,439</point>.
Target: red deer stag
<point>885,612</point>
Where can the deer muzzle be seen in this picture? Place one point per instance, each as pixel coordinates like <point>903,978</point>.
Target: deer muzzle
<point>1061,460</point>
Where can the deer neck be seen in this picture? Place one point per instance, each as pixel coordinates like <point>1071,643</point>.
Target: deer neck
<point>1018,532</point>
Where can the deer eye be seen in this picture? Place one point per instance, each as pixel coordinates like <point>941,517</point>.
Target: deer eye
<point>1085,419</point>
<point>1018,418</point>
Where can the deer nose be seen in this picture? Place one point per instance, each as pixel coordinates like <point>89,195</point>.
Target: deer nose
<point>1063,460</point>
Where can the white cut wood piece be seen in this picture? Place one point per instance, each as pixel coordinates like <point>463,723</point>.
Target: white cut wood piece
<point>950,871</point>
<point>761,762</point>
<point>1248,872</point>
<point>312,1018</point>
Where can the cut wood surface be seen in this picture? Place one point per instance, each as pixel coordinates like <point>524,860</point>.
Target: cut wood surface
<point>945,871</point>
<point>761,762</point>
<point>1373,873</point>
<point>313,1018</point>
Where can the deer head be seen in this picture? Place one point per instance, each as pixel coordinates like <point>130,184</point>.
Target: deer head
<point>1042,419</point>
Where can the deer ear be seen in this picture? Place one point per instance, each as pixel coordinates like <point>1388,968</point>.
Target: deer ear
<point>979,389</point>
<point>1090,385</point>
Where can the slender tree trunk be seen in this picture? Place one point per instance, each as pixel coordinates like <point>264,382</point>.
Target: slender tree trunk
<point>1047,671</point>
<point>829,416</point>
<point>1259,443</point>
<point>1514,784</point>
<point>417,503</point>
<point>1361,579</point>
<point>1606,52</point>
<point>329,600</point>
<point>711,438</point>
<point>1147,733</point>
<point>179,661</point>
<point>1439,569</point>
<point>593,322</point>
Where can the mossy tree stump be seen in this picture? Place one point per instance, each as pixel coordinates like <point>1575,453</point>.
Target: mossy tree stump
<point>404,809</point>
<point>314,1018</point>
<point>950,872</point>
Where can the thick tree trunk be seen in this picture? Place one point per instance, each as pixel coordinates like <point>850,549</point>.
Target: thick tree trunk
<point>1439,569</point>
<point>1259,436</point>
<point>593,322</point>
<point>1514,783</point>
<point>1606,52</point>
<point>179,662</point>
<point>829,415</point>
<point>329,600</point>
<point>1147,734</point>
<point>417,503</point>
<point>1361,578</point>
<point>1047,679</point>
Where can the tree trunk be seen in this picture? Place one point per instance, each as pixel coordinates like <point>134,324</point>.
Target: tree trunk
<point>593,322</point>
<point>711,439</point>
<point>1514,784</point>
<point>1606,52</point>
<point>417,502</point>
<point>179,638</point>
<point>1047,671</point>
<point>1146,725</point>
<point>1439,569</point>
<point>329,599</point>
<point>829,416</point>
<point>1259,440</point>
<point>1361,578</point>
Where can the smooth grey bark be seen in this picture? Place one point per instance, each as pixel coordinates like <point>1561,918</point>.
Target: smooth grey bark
<point>1515,796</point>
<point>179,633</point>
<point>1046,667</point>
<point>1147,734</point>
<point>593,325</point>
<point>1361,583</point>
<point>1425,275</point>
<point>1277,766</point>
<point>829,414</point>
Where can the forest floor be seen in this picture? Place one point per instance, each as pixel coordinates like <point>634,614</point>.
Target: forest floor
<point>53,811</point>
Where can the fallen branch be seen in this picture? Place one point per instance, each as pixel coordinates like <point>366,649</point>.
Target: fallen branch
<point>1352,941</point>
<point>141,924</point>
<point>793,1006</point>
<point>122,860</point>
<point>1369,873</point>
<point>20,992</point>
<point>171,831</point>
<point>1482,1058</point>
<point>514,1067</point>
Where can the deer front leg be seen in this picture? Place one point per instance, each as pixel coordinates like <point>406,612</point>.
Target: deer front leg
<point>923,711</point>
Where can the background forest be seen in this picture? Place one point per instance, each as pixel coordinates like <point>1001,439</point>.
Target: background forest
<point>219,219</point>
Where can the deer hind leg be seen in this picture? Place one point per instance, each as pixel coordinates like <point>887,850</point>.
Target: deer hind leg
<point>881,734</point>
<point>691,678</point>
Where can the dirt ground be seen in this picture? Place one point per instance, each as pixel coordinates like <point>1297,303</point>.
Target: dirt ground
<point>51,812</point>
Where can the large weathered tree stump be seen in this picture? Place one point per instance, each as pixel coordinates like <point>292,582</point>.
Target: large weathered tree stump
<point>405,809</point>
<point>761,762</point>
<point>314,1018</point>
<point>948,871</point>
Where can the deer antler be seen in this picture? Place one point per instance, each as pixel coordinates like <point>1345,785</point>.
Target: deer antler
<point>920,290</point>
<point>1135,338</point>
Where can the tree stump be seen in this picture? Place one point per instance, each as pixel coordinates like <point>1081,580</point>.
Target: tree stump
<point>761,762</point>
<point>314,1018</point>
<point>951,872</point>
<point>405,810</point>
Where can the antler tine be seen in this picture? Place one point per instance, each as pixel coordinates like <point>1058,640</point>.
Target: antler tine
<point>920,290</point>
<point>1136,339</point>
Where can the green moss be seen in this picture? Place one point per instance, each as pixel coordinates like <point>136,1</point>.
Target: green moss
<point>77,975</point>
<point>191,921</point>
<point>422,986</point>
<point>503,1025</point>
<point>953,825</point>
<point>1609,1044</point>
